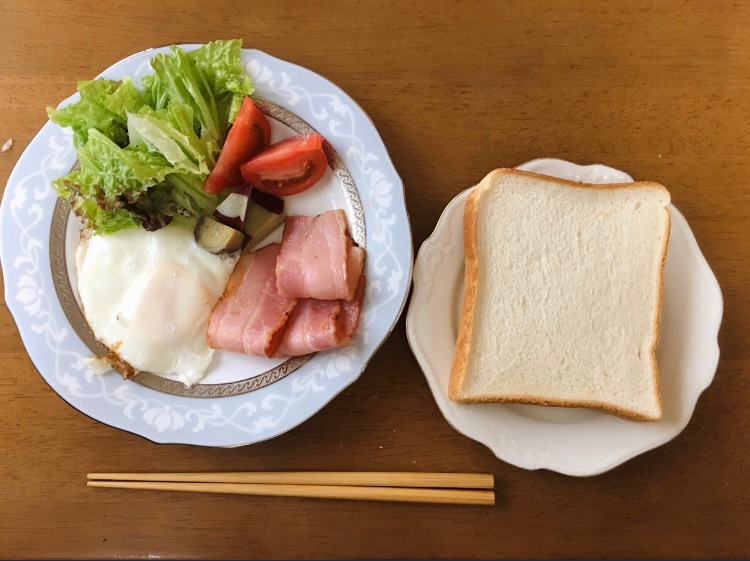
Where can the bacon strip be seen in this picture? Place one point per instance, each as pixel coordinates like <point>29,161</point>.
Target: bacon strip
<point>319,325</point>
<point>318,258</point>
<point>317,263</point>
<point>251,315</point>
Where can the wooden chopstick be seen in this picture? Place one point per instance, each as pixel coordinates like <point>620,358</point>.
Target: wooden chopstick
<point>360,479</point>
<point>397,494</point>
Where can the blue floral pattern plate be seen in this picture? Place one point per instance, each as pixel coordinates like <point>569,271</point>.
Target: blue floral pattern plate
<point>36,256</point>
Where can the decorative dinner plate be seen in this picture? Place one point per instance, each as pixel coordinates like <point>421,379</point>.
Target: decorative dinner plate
<point>571,441</point>
<point>242,399</point>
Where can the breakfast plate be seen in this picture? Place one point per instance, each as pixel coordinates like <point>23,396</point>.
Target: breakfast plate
<point>242,399</point>
<point>575,442</point>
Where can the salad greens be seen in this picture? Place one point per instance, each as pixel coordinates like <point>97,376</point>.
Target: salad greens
<point>144,155</point>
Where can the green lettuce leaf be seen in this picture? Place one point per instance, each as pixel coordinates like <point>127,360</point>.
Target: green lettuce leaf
<point>154,131</point>
<point>221,64</point>
<point>111,173</point>
<point>180,116</point>
<point>187,191</point>
<point>92,112</point>
<point>154,94</point>
<point>106,190</point>
<point>125,99</point>
<point>185,84</point>
<point>144,155</point>
<point>210,76</point>
<point>100,220</point>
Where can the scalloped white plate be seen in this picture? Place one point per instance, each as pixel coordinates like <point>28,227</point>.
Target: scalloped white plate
<point>57,351</point>
<point>576,442</point>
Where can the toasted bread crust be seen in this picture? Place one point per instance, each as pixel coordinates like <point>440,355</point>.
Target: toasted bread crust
<point>466,324</point>
<point>657,312</point>
<point>471,276</point>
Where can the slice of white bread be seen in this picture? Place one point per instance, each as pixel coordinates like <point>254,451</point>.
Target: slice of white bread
<point>562,294</point>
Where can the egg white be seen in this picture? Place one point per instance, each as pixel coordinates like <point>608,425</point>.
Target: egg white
<point>148,297</point>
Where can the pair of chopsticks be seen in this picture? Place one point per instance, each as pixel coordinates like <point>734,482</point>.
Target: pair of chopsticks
<point>446,488</point>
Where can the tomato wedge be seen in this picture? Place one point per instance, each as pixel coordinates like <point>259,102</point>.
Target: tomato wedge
<point>290,166</point>
<point>250,133</point>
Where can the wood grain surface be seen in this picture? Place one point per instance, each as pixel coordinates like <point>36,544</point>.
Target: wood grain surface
<point>658,89</point>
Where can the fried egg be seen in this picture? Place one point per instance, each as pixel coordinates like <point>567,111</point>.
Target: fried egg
<point>148,297</point>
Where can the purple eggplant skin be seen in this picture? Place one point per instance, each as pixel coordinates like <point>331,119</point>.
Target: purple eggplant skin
<point>269,202</point>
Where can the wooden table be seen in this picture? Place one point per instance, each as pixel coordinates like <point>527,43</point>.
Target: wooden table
<point>661,90</point>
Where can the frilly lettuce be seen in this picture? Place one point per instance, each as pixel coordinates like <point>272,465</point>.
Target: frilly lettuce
<point>93,111</point>
<point>144,155</point>
<point>221,63</point>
